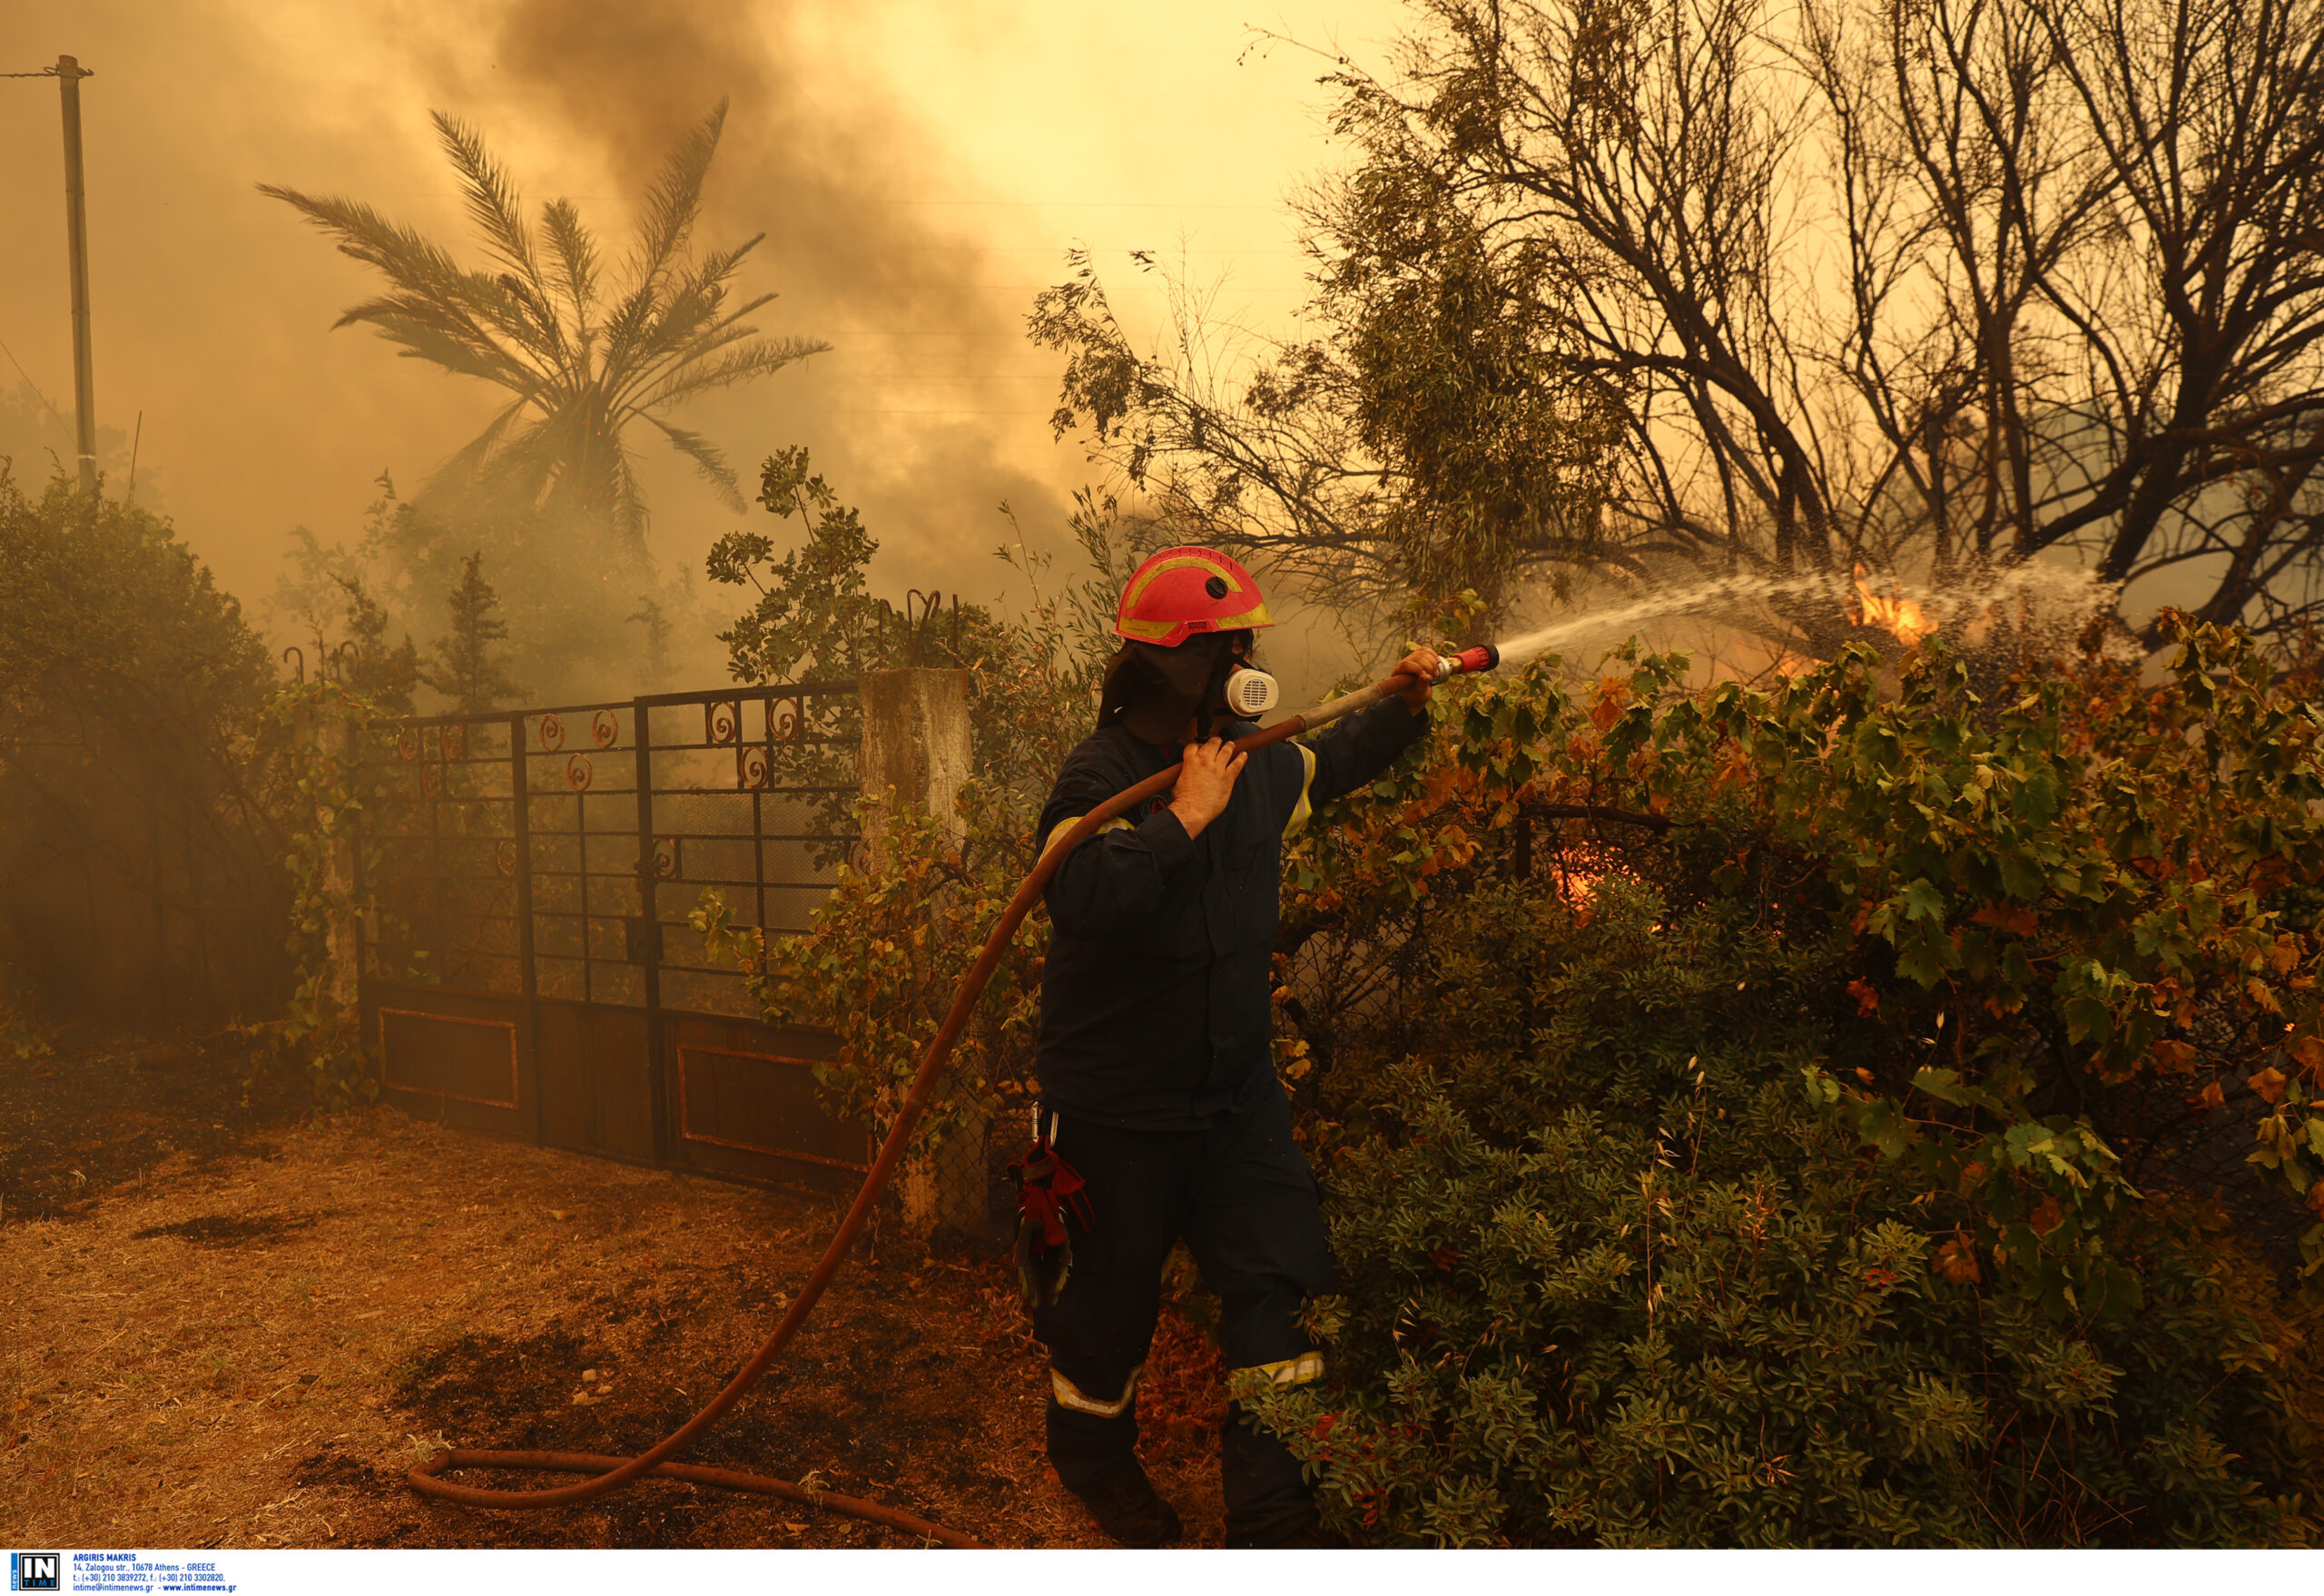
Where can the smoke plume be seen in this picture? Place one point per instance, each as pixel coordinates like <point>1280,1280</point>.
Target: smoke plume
<point>212,305</point>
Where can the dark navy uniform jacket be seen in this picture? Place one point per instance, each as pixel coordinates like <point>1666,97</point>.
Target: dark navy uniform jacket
<point>1156,1011</point>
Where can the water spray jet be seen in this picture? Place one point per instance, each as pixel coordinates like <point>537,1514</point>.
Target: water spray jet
<point>1908,612</point>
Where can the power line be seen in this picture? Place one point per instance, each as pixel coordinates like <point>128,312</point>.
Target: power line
<point>1092,205</point>
<point>943,375</point>
<point>989,204</point>
<point>5,350</point>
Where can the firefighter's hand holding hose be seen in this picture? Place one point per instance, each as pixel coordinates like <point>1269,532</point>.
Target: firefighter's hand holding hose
<point>1206,784</point>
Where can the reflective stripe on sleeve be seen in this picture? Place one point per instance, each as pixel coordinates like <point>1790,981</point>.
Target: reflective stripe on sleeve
<point>1069,1395</point>
<point>1298,1371</point>
<point>1298,821</point>
<point>1058,831</point>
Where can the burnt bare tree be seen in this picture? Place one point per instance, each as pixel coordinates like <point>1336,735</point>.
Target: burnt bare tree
<point>2091,314</point>
<point>1668,288</point>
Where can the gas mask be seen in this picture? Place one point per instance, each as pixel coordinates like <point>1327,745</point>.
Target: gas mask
<point>1196,679</point>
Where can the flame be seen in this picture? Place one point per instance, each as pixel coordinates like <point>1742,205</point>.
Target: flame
<point>1896,615</point>
<point>1574,887</point>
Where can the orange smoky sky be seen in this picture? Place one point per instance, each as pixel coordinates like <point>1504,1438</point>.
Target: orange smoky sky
<point>918,169</point>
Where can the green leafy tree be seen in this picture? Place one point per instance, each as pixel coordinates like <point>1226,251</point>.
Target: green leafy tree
<point>35,436</point>
<point>569,631</point>
<point>816,615</point>
<point>815,618</point>
<point>583,361</point>
<point>467,667</point>
<point>327,595</point>
<point>654,618</point>
<point>1433,441</point>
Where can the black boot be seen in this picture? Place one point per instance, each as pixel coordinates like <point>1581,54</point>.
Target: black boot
<point>1296,1531</point>
<point>1128,1509</point>
<point>1268,1501</point>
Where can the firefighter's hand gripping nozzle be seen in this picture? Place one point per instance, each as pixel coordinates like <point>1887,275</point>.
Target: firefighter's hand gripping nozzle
<point>1047,1190</point>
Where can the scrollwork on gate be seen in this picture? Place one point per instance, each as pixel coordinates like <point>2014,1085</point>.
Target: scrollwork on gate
<point>578,773</point>
<point>752,767</point>
<point>605,728</point>
<point>722,721</point>
<point>551,732</point>
<point>786,720</point>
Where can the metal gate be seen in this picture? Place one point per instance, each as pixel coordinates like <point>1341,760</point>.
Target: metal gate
<point>528,969</point>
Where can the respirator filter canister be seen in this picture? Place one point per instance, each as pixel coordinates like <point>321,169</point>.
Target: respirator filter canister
<point>1251,692</point>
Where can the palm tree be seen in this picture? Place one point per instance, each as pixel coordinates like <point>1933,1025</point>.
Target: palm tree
<point>580,368</point>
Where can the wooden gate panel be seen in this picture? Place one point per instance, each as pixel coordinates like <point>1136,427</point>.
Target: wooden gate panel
<point>596,1081</point>
<point>456,1058</point>
<point>743,1099</point>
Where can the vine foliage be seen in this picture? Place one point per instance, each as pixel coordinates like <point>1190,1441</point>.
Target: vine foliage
<point>317,725</point>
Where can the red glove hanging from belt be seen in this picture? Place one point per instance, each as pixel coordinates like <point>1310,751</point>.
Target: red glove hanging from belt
<point>1048,1189</point>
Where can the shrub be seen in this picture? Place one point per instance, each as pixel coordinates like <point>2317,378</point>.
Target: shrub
<point>1791,1118</point>
<point>22,1036</point>
<point>1626,1288</point>
<point>140,843</point>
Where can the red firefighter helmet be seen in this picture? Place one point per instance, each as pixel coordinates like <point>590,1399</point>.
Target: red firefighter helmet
<point>1181,591</point>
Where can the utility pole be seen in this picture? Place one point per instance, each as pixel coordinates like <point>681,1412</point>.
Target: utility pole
<point>69,73</point>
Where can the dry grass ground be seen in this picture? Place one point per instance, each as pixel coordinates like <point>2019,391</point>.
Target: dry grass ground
<point>247,1344</point>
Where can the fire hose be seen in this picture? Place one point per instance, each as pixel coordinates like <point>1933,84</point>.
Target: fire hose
<point>611,1474</point>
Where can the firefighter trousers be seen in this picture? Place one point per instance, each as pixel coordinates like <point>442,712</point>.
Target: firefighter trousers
<point>1243,1199</point>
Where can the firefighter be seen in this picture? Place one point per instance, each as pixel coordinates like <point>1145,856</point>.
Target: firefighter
<point>1157,1084</point>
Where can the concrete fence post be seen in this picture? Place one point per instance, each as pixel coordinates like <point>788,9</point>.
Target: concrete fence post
<point>915,740</point>
<point>916,747</point>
